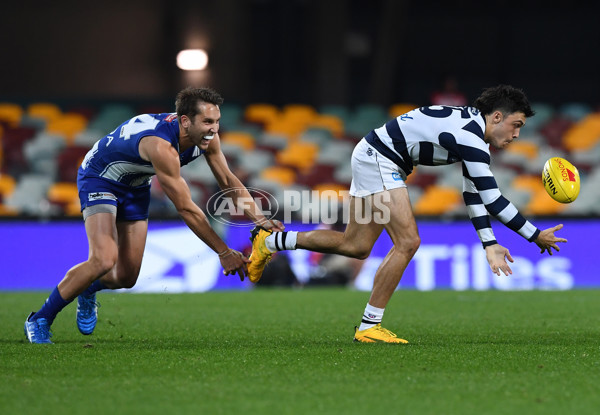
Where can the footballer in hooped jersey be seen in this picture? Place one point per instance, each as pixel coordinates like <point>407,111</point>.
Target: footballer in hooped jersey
<point>381,161</point>
<point>114,190</point>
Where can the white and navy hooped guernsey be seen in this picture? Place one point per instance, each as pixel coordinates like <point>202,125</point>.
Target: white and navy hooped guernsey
<point>440,135</point>
<point>116,156</point>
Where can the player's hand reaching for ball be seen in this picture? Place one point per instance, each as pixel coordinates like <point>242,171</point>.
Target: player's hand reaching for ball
<point>234,262</point>
<point>497,255</point>
<point>547,240</point>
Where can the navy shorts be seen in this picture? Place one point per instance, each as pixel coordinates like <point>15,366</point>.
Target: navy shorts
<point>132,202</point>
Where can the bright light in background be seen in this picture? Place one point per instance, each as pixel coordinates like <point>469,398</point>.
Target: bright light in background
<point>192,59</point>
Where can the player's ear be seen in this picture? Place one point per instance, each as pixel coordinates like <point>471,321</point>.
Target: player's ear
<point>497,117</point>
<point>185,121</point>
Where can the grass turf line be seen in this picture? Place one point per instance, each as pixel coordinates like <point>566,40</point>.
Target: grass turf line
<point>291,352</point>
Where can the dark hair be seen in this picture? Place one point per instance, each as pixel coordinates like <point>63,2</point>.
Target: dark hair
<point>503,98</point>
<point>186,102</point>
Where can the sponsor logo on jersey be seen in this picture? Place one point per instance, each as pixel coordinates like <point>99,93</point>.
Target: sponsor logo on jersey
<point>370,152</point>
<point>171,117</point>
<point>396,176</point>
<point>101,196</point>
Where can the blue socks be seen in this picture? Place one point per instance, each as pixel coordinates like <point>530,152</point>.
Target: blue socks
<point>51,307</point>
<point>95,287</point>
<point>55,303</point>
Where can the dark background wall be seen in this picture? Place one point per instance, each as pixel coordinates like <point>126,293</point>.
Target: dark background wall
<point>311,51</point>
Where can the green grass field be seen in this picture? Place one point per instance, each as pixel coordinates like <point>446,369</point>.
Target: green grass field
<point>291,352</point>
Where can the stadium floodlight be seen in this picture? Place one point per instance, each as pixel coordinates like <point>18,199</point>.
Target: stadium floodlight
<point>192,59</point>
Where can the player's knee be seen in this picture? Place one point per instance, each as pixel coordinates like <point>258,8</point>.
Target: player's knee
<point>103,263</point>
<point>410,245</point>
<point>363,254</point>
<point>415,244</point>
<point>359,251</point>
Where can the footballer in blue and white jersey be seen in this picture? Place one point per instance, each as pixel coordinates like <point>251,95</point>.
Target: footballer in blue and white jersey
<point>114,164</point>
<point>114,190</point>
<point>440,135</point>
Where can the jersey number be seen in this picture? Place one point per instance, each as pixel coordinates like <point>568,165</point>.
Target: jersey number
<point>137,125</point>
<point>444,111</point>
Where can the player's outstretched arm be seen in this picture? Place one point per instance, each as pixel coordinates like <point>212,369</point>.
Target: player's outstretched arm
<point>228,180</point>
<point>497,255</point>
<point>547,240</point>
<point>165,160</point>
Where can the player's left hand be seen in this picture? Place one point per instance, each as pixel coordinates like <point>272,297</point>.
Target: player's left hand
<point>547,240</point>
<point>497,255</point>
<point>273,225</point>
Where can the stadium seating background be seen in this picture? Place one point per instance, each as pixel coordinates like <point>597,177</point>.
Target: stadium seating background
<point>295,146</point>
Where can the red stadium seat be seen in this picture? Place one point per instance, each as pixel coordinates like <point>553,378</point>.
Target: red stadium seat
<point>68,163</point>
<point>319,173</point>
<point>13,142</point>
<point>554,130</point>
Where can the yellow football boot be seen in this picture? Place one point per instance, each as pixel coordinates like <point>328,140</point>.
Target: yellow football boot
<point>377,334</point>
<point>260,255</point>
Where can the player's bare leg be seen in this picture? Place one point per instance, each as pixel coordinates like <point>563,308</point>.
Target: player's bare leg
<point>404,233</point>
<point>102,237</point>
<point>402,228</point>
<point>101,230</point>
<point>356,241</point>
<point>390,210</point>
<point>394,208</point>
<point>132,241</point>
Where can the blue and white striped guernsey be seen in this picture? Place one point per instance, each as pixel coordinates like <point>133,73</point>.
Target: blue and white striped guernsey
<point>440,135</point>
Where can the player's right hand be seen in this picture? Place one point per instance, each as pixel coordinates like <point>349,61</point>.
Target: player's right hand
<point>234,262</point>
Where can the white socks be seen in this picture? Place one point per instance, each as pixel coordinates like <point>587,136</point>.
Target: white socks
<point>371,317</point>
<point>279,241</point>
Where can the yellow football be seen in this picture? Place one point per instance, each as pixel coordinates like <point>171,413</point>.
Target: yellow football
<point>561,180</point>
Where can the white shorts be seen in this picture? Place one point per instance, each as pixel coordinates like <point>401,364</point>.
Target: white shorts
<point>373,173</point>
